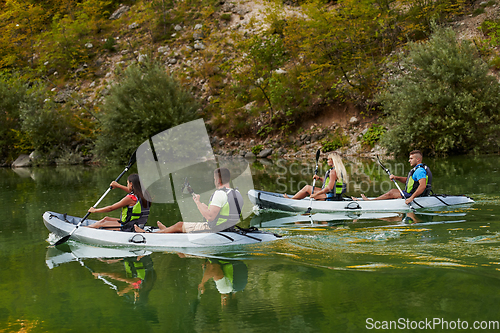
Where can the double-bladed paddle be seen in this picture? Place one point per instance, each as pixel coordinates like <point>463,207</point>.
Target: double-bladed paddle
<point>67,237</point>
<point>389,173</point>
<point>314,182</point>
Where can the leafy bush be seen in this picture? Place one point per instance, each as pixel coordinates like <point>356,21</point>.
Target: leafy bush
<point>109,44</point>
<point>257,149</point>
<point>12,95</point>
<point>373,135</point>
<point>442,100</point>
<point>48,126</point>
<point>338,140</point>
<point>144,101</point>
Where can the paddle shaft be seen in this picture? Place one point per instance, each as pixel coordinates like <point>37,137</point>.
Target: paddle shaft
<point>394,181</point>
<point>314,183</point>
<point>65,238</point>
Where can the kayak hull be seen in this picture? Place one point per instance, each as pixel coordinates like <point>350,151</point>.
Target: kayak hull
<point>270,200</point>
<point>62,225</point>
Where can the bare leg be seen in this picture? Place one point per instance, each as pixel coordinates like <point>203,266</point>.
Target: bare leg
<point>304,192</point>
<point>176,228</point>
<point>106,222</point>
<point>392,194</point>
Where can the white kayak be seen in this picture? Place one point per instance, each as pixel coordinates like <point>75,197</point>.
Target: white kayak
<point>62,225</point>
<point>270,200</point>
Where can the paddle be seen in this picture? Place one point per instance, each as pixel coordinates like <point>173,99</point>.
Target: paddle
<point>66,238</point>
<point>389,173</point>
<point>314,182</point>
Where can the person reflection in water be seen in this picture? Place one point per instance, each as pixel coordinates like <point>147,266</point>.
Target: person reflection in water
<point>230,276</point>
<point>223,209</point>
<point>139,278</point>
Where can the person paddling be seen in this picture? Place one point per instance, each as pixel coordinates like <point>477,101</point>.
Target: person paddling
<point>223,210</point>
<point>418,182</point>
<point>135,207</point>
<point>334,182</point>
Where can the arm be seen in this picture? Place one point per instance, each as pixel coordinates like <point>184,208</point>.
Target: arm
<point>398,178</point>
<point>330,187</point>
<point>120,204</point>
<point>114,184</point>
<point>208,213</point>
<point>420,190</point>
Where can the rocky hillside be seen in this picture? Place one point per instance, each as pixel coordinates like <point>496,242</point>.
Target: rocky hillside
<point>188,55</point>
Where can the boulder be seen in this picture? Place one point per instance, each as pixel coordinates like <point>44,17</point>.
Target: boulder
<point>265,153</point>
<point>119,12</point>
<point>22,161</point>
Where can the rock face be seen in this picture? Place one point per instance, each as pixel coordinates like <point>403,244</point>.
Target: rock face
<point>22,161</point>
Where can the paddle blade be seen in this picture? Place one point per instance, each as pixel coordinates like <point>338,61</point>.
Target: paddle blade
<point>317,155</point>
<point>62,240</point>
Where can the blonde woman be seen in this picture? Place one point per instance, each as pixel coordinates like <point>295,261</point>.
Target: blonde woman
<point>334,182</point>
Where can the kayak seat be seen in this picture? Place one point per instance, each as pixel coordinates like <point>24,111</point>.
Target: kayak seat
<point>428,191</point>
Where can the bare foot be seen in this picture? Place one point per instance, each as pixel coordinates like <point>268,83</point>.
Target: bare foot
<point>364,197</point>
<point>354,198</point>
<point>286,196</point>
<point>137,229</point>
<point>161,225</point>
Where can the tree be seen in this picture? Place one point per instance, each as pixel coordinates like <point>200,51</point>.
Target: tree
<point>441,99</point>
<point>144,101</point>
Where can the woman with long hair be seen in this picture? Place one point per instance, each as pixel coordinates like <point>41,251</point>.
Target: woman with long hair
<point>135,207</point>
<point>334,182</point>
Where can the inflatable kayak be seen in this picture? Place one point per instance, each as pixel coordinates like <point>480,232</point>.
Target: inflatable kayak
<point>62,225</point>
<point>270,200</point>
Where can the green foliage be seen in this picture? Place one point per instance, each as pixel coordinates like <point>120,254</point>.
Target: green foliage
<point>48,126</point>
<point>144,101</point>
<point>442,100</point>
<point>257,149</point>
<point>335,141</point>
<point>226,17</point>
<point>12,95</point>
<point>110,44</point>
<point>373,135</point>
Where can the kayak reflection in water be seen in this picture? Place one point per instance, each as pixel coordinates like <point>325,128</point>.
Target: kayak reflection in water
<point>223,210</point>
<point>334,182</point>
<point>418,182</point>
<point>135,207</point>
<point>230,276</point>
<point>139,278</point>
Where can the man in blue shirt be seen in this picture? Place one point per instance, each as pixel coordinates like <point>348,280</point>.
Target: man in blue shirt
<point>418,180</point>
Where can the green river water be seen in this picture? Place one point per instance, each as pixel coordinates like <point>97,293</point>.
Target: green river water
<point>353,274</point>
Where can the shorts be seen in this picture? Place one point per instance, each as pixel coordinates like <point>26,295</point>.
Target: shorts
<point>406,194</point>
<point>195,226</point>
<point>330,196</point>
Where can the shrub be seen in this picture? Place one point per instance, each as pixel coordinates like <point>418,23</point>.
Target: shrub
<point>442,101</point>
<point>257,149</point>
<point>373,135</point>
<point>144,101</point>
<point>338,140</point>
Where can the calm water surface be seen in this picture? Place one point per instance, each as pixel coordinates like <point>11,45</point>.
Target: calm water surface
<point>349,273</point>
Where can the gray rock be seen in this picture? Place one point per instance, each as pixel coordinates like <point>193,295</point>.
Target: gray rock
<point>353,121</point>
<point>249,155</point>
<point>119,12</point>
<point>199,45</point>
<point>265,153</point>
<point>198,27</point>
<point>22,161</point>
<point>198,35</point>
<point>178,28</point>
<point>133,26</point>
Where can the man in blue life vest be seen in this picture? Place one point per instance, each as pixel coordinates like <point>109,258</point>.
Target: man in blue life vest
<point>418,182</point>
<point>223,210</point>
